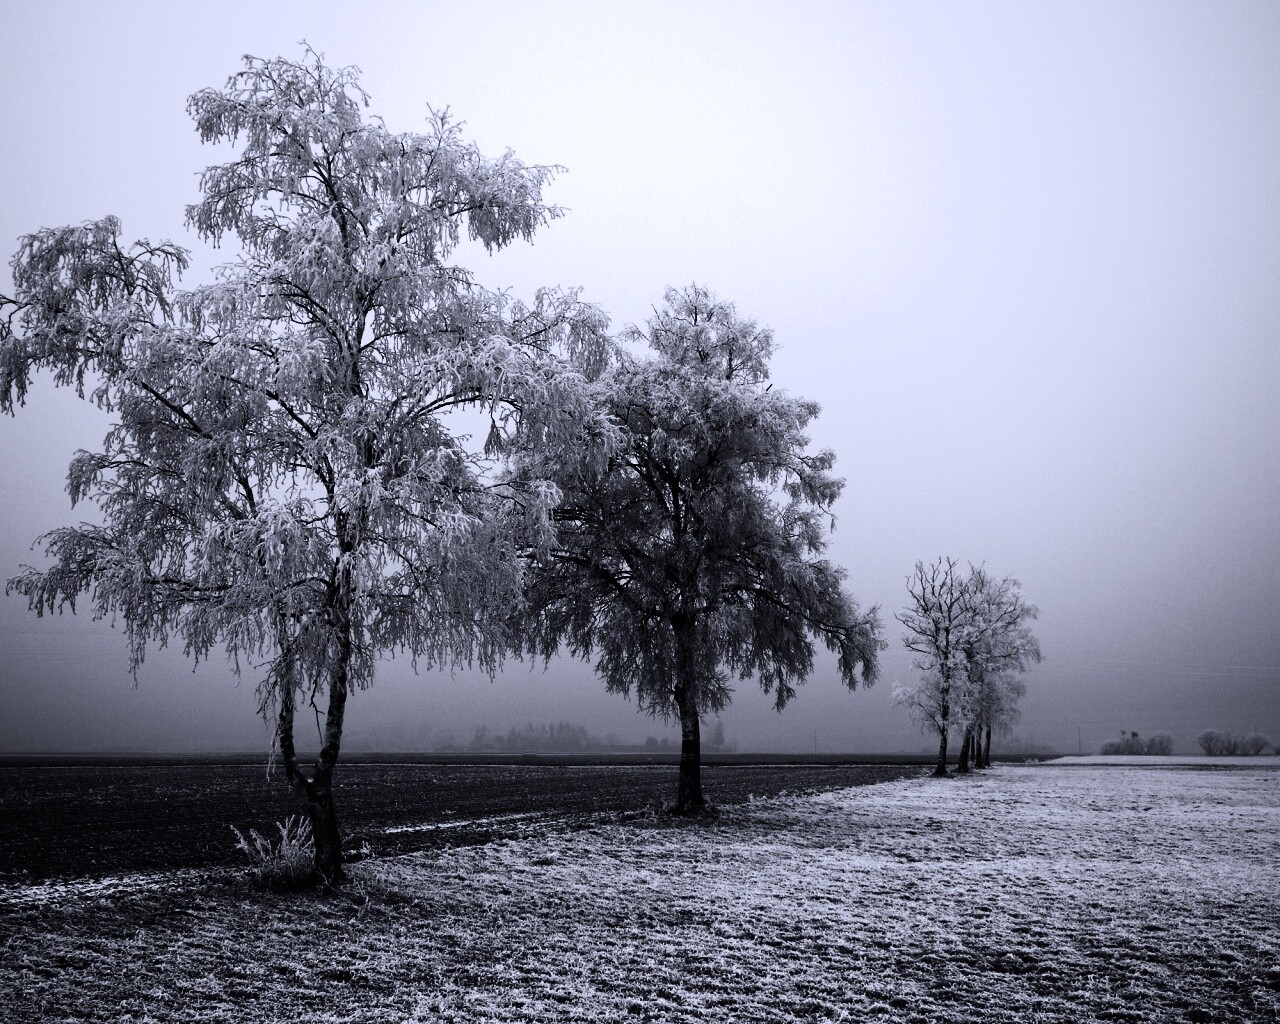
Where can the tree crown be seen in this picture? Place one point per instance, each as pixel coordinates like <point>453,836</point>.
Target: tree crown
<point>284,476</point>
<point>700,539</point>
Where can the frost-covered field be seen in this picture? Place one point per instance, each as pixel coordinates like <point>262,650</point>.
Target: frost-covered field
<point>1173,760</point>
<point>1025,894</point>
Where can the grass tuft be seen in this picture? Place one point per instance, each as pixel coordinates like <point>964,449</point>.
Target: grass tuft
<point>287,864</point>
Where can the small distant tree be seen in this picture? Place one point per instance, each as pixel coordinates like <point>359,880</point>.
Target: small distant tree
<point>283,478</point>
<point>1213,742</point>
<point>971,638</point>
<point>1159,744</point>
<point>938,620</point>
<point>1129,744</point>
<point>1253,744</point>
<point>693,554</point>
<point>997,645</point>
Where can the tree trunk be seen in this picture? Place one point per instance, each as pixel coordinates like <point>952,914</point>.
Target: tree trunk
<point>324,819</point>
<point>965,749</point>
<point>689,799</point>
<point>317,791</point>
<point>986,749</point>
<point>941,770</point>
<point>324,827</point>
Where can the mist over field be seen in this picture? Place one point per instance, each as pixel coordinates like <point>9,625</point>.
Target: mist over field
<point>1023,257</point>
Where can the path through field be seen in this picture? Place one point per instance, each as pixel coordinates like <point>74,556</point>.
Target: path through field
<point>1027,894</point>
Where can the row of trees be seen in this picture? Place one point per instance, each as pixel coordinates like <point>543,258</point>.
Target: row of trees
<point>287,478</point>
<point>972,640</point>
<point>1211,741</point>
<point>568,737</point>
<point>1225,744</point>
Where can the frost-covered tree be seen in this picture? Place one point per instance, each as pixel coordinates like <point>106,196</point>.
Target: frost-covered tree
<point>971,640</point>
<point>284,477</point>
<point>1159,744</point>
<point>995,711</point>
<point>693,555</point>
<point>938,622</point>
<point>997,645</point>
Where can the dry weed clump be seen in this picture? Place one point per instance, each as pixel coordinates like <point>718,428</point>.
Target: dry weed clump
<point>285,864</point>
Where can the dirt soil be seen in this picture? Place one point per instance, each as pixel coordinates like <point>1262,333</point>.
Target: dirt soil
<point>95,820</point>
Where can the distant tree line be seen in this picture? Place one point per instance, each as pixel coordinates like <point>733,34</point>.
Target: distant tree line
<point>1223,744</point>
<point>1211,741</point>
<point>570,738</point>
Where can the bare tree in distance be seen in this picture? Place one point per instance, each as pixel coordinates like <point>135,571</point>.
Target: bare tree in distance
<point>283,479</point>
<point>995,710</point>
<point>693,556</point>
<point>998,646</point>
<point>937,620</point>
<point>970,636</point>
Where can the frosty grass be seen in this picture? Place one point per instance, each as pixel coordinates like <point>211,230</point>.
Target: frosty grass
<point>1035,893</point>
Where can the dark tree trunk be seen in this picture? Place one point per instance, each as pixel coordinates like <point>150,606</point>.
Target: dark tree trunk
<point>966,749</point>
<point>324,828</point>
<point>317,791</point>
<point>689,799</point>
<point>986,748</point>
<point>941,770</point>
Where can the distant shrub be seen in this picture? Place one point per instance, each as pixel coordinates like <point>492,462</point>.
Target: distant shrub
<point>1132,744</point>
<point>1213,743</point>
<point>1255,743</point>
<point>1128,743</point>
<point>1221,744</point>
<point>286,864</point>
<point>1160,743</point>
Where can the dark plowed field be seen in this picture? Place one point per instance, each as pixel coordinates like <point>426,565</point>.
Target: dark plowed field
<point>95,820</point>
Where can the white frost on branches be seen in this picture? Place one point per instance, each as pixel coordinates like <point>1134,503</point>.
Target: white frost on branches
<point>972,641</point>
<point>281,479</point>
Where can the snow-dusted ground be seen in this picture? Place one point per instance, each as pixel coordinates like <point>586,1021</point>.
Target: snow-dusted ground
<point>1171,760</point>
<point>1024,894</point>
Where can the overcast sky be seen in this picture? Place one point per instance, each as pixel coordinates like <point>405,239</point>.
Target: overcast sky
<point>1026,256</point>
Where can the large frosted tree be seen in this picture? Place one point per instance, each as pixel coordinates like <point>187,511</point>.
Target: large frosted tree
<point>692,556</point>
<point>284,477</point>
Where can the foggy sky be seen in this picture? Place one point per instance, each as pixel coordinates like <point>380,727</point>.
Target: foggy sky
<point>1027,258</point>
